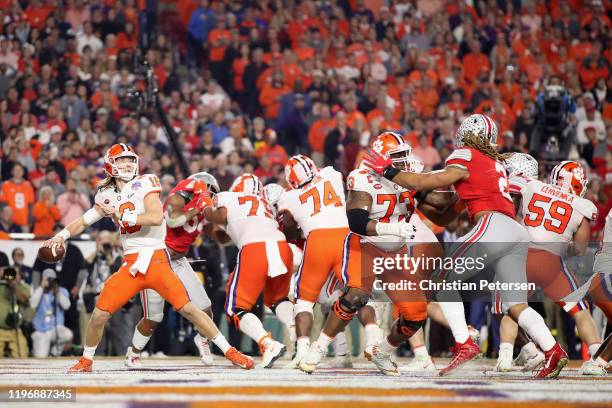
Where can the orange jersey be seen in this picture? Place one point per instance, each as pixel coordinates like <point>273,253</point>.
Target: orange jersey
<point>18,197</point>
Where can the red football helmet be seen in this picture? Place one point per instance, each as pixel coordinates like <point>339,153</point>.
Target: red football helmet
<point>299,170</point>
<point>247,183</point>
<point>393,145</point>
<point>570,177</point>
<point>123,172</point>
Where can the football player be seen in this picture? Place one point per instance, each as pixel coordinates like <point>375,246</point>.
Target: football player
<point>477,172</point>
<point>264,262</point>
<point>134,203</point>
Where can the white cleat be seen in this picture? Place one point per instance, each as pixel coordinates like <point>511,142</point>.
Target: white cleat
<point>474,334</point>
<point>132,360</point>
<point>381,360</point>
<point>312,358</point>
<point>295,363</point>
<point>203,345</point>
<point>594,368</point>
<point>504,361</point>
<point>529,361</point>
<point>270,351</point>
<point>419,364</point>
<point>340,362</point>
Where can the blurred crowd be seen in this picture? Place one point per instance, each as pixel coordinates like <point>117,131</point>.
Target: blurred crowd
<point>245,84</point>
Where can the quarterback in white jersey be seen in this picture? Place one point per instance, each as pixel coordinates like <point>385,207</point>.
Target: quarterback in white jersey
<point>264,262</point>
<point>134,203</point>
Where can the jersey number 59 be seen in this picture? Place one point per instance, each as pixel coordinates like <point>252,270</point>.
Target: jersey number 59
<point>559,214</point>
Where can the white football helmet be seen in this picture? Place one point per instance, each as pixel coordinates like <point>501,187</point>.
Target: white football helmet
<point>570,176</point>
<point>522,164</point>
<point>123,172</point>
<point>299,170</point>
<point>480,125</point>
<point>272,192</point>
<point>247,183</point>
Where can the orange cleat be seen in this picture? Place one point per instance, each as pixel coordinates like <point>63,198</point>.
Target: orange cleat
<point>84,365</point>
<point>556,359</point>
<point>462,353</point>
<point>238,359</point>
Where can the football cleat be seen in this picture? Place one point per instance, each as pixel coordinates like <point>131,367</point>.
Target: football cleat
<point>474,333</point>
<point>203,345</point>
<point>238,359</point>
<point>462,353</point>
<point>419,364</point>
<point>594,368</point>
<point>132,359</point>
<point>504,361</point>
<point>381,360</point>
<point>556,359</point>
<point>312,358</point>
<point>271,350</point>
<point>529,360</point>
<point>84,365</point>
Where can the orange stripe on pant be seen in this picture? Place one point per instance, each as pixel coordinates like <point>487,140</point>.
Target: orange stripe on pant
<point>160,277</point>
<point>250,278</point>
<point>322,255</point>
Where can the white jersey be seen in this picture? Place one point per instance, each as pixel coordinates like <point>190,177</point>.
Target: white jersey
<point>603,259</point>
<point>319,204</point>
<point>249,218</point>
<point>132,198</point>
<point>390,203</point>
<point>550,215</point>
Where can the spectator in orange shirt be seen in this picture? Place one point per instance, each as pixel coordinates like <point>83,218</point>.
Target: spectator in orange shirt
<point>19,195</point>
<point>218,40</point>
<point>351,112</point>
<point>427,98</point>
<point>321,126</point>
<point>271,95</point>
<point>271,149</point>
<point>45,213</point>
<point>475,62</point>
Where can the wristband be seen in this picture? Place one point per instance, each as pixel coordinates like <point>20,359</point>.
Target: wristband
<point>63,234</point>
<point>389,172</point>
<point>129,218</point>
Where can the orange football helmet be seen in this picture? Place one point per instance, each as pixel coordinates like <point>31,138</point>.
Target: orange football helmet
<point>570,177</point>
<point>299,170</point>
<point>115,152</point>
<point>247,183</point>
<point>393,146</point>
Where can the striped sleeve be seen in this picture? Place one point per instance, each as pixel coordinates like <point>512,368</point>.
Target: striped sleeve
<point>459,157</point>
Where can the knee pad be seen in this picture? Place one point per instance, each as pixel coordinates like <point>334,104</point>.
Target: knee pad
<point>409,327</point>
<point>302,306</point>
<point>273,307</point>
<point>349,303</point>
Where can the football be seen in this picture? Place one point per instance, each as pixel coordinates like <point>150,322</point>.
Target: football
<point>51,255</point>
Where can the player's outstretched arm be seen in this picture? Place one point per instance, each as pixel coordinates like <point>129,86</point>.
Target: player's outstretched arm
<point>414,181</point>
<point>175,214</point>
<point>76,227</point>
<point>358,208</point>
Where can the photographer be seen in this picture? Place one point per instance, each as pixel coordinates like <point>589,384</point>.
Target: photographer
<point>14,295</point>
<point>50,301</point>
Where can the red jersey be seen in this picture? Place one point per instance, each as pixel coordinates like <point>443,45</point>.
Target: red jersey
<point>180,238</point>
<point>486,188</point>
